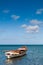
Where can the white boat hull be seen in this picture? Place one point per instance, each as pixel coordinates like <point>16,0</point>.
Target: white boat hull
<point>16,55</point>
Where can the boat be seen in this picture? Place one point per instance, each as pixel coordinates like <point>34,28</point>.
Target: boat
<point>16,53</point>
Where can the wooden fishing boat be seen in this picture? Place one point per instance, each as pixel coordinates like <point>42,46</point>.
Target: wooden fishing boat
<point>16,53</point>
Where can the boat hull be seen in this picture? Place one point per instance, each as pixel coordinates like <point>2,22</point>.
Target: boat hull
<point>16,55</point>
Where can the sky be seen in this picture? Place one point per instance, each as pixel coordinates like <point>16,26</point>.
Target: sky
<point>21,22</point>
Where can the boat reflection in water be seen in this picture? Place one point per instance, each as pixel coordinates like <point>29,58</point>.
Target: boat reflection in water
<point>15,61</point>
<point>8,61</point>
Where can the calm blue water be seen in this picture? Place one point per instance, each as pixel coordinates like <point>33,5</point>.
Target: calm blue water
<point>34,55</point>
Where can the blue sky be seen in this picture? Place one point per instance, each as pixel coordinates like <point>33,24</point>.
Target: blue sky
<point>21,21</point>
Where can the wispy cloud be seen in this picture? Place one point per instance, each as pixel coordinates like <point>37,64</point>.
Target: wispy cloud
<point>39,11</point>
<point>15,17</point>
<point>35,21</point>
<point>6,11</point>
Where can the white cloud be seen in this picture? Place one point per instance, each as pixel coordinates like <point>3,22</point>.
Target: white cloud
<point>15,17</point>
<point>31,29</point>
<point>35,21</point>
<point>39,11</point>
<point>6,11</point>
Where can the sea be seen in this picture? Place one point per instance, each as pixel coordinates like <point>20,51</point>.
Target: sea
<point>34,55</point>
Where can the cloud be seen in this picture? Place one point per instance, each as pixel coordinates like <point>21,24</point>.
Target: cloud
<point>33,26</point>
<point>39,11</point>
<point>15,17</point>
<point>6,11</point>
<point>35,21</point>
<point>31,29</point>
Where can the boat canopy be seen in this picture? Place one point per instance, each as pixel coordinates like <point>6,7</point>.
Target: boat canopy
<point>23,48</point>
